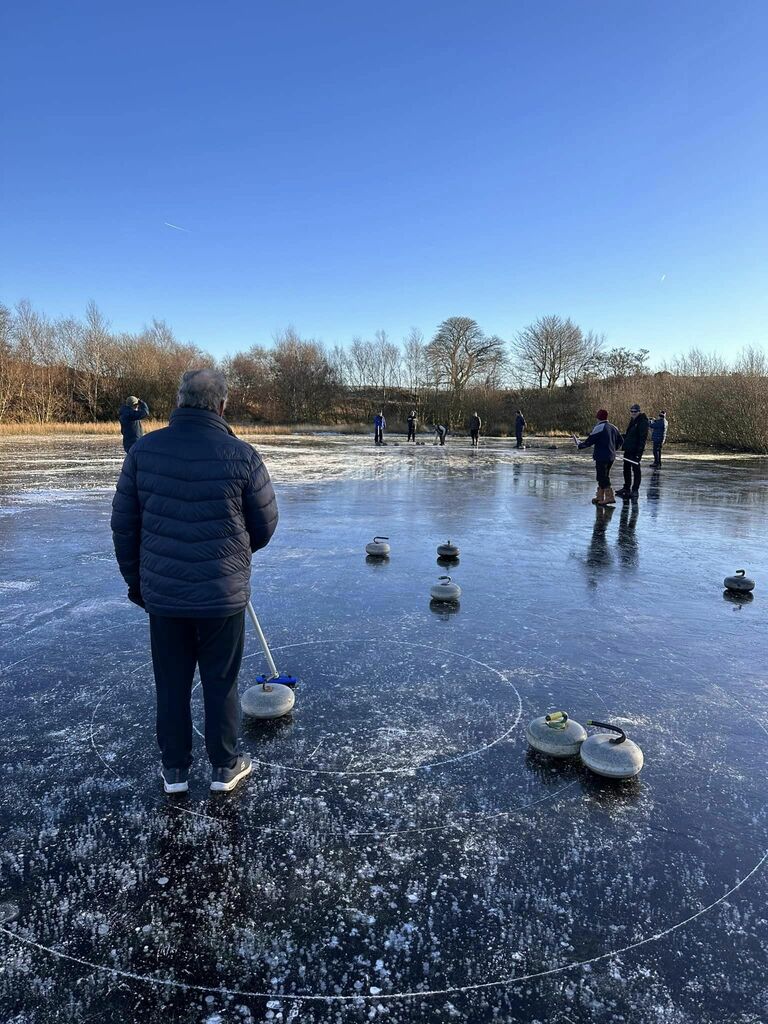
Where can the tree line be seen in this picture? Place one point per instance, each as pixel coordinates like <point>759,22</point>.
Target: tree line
<point>80,370</point>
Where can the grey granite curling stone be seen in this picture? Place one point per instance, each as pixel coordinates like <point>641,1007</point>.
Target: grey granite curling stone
<point>614,757</point>
<point>556,735</point>
<point>267,701</point>
<point>739,583</point>
<point>448,550</point>
<point>445,590</point>
<point>378,547</point>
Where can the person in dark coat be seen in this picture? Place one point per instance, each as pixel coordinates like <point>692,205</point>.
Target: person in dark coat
<point>442,432</point>
<point>659,428</point>
<point>475,424</point>
<point>635,437</point>
<point>519,428</point>
<point>130,414</point>
<point>604,440</point>
<point>193,503</point>
<point>412,426</point>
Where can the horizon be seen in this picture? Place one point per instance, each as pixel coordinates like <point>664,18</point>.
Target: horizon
<point>330,170</point>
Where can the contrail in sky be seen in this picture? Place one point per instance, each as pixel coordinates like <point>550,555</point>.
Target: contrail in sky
<point>176,227</point>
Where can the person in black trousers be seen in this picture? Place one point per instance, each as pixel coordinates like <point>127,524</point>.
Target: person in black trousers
<point>475,423</point>
<point>519,428</point>
<point>635,437</point>
<point>412,426</point>
<point>192,504</point>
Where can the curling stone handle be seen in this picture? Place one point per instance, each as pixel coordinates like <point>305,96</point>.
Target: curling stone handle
<point>377,539</point>
<point>557,718</point>
<point>741,572</point>
<point>613,728</point>
<point>273,673</point>
<point>443,579</point>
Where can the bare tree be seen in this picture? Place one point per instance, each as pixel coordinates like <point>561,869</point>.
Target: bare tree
<point>302,379</point>
<point>90,348</point>
<point>752,362</point>
<point>459,353</point>
<point>554,351</point>
<point>415,364</point>
<point>623,362</point>
<point>36,344</point>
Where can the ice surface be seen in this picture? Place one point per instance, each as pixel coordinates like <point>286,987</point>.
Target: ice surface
<point>399,854</point>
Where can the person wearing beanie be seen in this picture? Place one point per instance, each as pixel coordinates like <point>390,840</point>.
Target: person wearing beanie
<point>604,440</point>
<point>635,437</point>
<point>659,428</point>
<point>131,412</point>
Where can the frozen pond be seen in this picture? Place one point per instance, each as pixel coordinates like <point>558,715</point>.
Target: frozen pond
<point>399,854</point>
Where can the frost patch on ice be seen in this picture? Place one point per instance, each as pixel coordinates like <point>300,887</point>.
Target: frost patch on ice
<point>18,585</point>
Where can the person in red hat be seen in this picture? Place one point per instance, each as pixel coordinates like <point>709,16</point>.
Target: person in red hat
<point>604,440</point>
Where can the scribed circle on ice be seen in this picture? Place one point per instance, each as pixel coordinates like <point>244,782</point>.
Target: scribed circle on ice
<point>499,982</point>
<point>409,768</point>
<point>270,701</point>
<point>553,741</point>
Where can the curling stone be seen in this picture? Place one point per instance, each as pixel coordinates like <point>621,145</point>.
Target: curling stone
<point>378,548</point>
<point>740,583</point>
<point>614,757</point>
<point>556,735</point>
<point>267,700</point>
<point>445,590</point>
<point>447,550</point>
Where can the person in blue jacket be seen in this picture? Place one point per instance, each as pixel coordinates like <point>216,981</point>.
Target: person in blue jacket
<point>604,440</point>
<point>130,414</point>
<point>192,504</point>
<point>659,428</point>
<point>379,426</point>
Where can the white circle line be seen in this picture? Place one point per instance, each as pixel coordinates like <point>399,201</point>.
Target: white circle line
<point>413,994</point>
<point>407,769</point>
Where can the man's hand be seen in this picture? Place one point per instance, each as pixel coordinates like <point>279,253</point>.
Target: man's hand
<point>134,594</point>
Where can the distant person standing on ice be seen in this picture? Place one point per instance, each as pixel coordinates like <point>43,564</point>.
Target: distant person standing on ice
<point>379,426</point>
<point>659,428</point>
<point>604,441</point>
<point>412,426</point>
<point>475,423</point>
<point>519,428</point>
<point>635,437</point>
<point>192,504</point>
<point>131,413</point>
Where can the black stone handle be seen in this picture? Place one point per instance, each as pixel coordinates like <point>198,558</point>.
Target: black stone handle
<point>614,728</point>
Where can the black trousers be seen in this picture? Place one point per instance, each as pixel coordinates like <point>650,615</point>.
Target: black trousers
<point>216,645</point>
<point>603,474</point>
<point>411,432</point>
<point>657,446</point>
<point>519,437</point>
<point>378,435</point>
<point>632,474</point>
<point>474,434</point>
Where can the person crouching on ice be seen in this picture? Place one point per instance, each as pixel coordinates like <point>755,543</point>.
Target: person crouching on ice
<point>604,441</point>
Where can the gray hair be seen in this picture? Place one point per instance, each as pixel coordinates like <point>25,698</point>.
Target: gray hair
<point>202,389</point>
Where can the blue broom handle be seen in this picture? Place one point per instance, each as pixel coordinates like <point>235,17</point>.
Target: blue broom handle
<point>273,673</point>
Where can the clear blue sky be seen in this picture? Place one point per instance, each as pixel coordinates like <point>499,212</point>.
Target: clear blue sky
<point>352,166</point>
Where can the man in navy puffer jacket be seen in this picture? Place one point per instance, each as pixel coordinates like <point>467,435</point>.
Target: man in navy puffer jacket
<point>192,503</point>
